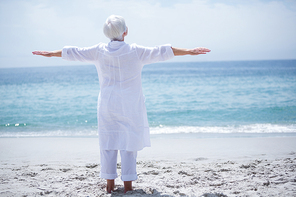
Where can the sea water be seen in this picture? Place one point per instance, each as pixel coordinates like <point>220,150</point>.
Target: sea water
<point>205,99</point>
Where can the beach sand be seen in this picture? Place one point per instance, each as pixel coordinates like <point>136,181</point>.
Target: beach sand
<point>173,166</point>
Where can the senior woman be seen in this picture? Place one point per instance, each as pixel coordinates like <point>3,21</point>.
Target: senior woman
<point>121,113</point>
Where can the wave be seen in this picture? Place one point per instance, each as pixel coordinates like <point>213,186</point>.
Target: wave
<point>54,133</point>
<point>253,128</point>
<point>213,130</point>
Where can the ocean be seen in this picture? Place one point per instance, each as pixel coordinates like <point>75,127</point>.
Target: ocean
<point>203,99</point>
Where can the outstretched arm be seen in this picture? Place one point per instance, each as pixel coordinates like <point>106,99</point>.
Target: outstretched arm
<point>196,51</point>
<point>57,53</point>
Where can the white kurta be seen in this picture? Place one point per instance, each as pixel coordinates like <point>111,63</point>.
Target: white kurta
<point>122,116</point>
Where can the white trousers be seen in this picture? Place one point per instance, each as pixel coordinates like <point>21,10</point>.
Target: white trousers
<point>109,165</point>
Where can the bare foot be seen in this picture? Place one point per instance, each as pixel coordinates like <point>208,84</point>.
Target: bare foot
<point>127,186</point>
<point>110,185</point>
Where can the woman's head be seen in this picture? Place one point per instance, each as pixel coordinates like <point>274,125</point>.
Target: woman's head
<point>114,27</point>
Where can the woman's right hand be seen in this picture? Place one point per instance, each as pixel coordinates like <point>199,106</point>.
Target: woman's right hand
<point>57,53</point>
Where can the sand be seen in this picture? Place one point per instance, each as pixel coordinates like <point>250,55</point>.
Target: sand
<point>173,166</point>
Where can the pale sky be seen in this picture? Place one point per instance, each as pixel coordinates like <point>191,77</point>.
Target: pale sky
<point>232,29</point>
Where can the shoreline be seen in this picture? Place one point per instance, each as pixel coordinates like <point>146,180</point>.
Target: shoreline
<point>172,167</point>
<point>200,135</point>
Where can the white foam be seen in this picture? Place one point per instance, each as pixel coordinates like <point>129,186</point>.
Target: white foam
<point>253,128</point>
<point>56,133</point>
<point>161,129</point>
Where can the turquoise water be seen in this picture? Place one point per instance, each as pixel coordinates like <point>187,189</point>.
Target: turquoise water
<point>241,97</point>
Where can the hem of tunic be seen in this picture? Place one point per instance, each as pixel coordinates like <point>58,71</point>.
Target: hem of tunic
<point>124,140</point>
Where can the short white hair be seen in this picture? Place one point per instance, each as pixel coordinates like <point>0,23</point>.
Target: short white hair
<point>114,27</point>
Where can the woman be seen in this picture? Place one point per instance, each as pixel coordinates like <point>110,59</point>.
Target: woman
<point>122,116</point>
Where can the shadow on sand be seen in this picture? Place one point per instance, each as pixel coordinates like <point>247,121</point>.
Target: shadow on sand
<point>138,192</point>
<point>154,192</point>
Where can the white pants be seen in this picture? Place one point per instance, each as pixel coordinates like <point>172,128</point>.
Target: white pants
<point>109,165</point>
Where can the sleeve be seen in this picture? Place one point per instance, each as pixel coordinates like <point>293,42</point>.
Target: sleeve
<point>85,54</point>
<point>149,55</point>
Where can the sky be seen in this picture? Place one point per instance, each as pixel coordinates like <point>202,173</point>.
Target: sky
<point>233,29</point>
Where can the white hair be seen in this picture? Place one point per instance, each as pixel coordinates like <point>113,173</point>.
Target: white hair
<point>114,27</point>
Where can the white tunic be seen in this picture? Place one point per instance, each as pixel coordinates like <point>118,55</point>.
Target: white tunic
<point>122,116</point>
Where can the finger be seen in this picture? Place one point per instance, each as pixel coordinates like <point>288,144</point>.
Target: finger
<point>207,50</point>
<point>40,52</point>
<point>203,49</point>
<point>36,52</point>
<point>43,53</point>
<point>200,52</point>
